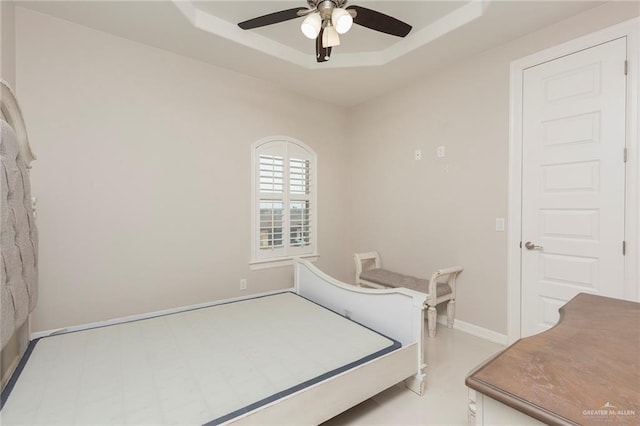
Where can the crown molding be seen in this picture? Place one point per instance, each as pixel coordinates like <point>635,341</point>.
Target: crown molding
<point>205,21</point>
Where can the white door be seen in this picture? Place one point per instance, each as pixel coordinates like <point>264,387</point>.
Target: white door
<point>573,177</point>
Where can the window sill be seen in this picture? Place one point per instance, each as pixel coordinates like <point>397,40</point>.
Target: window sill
<point>280,261</point>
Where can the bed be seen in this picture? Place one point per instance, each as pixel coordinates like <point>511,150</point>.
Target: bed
<point>298,357</point>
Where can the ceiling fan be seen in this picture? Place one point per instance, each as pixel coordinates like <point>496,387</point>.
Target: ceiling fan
<point>326,19</point>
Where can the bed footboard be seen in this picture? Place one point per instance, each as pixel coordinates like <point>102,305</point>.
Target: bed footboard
<point>397,313</point>
<point>337,394</point>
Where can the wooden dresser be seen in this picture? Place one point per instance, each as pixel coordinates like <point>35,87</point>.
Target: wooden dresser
<point>585,370</point>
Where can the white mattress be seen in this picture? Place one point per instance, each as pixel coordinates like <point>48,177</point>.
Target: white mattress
<point>188,368</point>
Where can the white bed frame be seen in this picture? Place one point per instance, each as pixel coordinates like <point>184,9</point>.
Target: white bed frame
<point>396,313</point>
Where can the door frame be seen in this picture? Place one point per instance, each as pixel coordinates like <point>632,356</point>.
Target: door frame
<point>627,29</point>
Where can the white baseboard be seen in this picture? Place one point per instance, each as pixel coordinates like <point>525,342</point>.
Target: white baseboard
<point>146,315</point>
<point>472,329</point>
<point>483,333</point>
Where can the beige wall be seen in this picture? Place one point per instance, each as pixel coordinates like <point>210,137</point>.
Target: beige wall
<point>422,215</point>
<point>7,42</point>
<point>143,173</point>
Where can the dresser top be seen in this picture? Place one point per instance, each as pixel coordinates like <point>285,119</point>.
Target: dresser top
<point>585,370</point>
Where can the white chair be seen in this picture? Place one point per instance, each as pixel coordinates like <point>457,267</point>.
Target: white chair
<point>369,272</point>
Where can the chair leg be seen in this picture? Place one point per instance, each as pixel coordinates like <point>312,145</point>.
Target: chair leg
<point>451,312</point>
<point>432,317</point>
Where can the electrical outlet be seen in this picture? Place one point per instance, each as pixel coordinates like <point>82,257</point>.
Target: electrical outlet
<point>243,284</point>
<point>417,155</point>
<point>440,151</point>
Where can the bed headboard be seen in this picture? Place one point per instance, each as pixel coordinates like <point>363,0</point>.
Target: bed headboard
<point>18,233</point>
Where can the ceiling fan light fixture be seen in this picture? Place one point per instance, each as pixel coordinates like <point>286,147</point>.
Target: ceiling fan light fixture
<point>325,20</point>
<point>330,37</point>
<point>311,25</point>
<point>341,19</point>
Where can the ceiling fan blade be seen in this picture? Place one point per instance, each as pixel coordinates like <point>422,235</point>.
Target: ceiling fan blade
<point>379,21</point>
<point>305,12</point>
<point>272,18</point>
<point>322,53</point>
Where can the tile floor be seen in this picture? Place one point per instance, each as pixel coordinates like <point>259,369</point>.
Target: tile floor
<point>449,357</point>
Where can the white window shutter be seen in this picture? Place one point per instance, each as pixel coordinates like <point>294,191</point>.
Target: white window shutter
<point>284,217</point>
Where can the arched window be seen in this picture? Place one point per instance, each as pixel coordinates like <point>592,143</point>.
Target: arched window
<point>284,201</point>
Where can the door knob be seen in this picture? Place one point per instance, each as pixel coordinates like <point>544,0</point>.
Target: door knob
<point>530,246</point>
